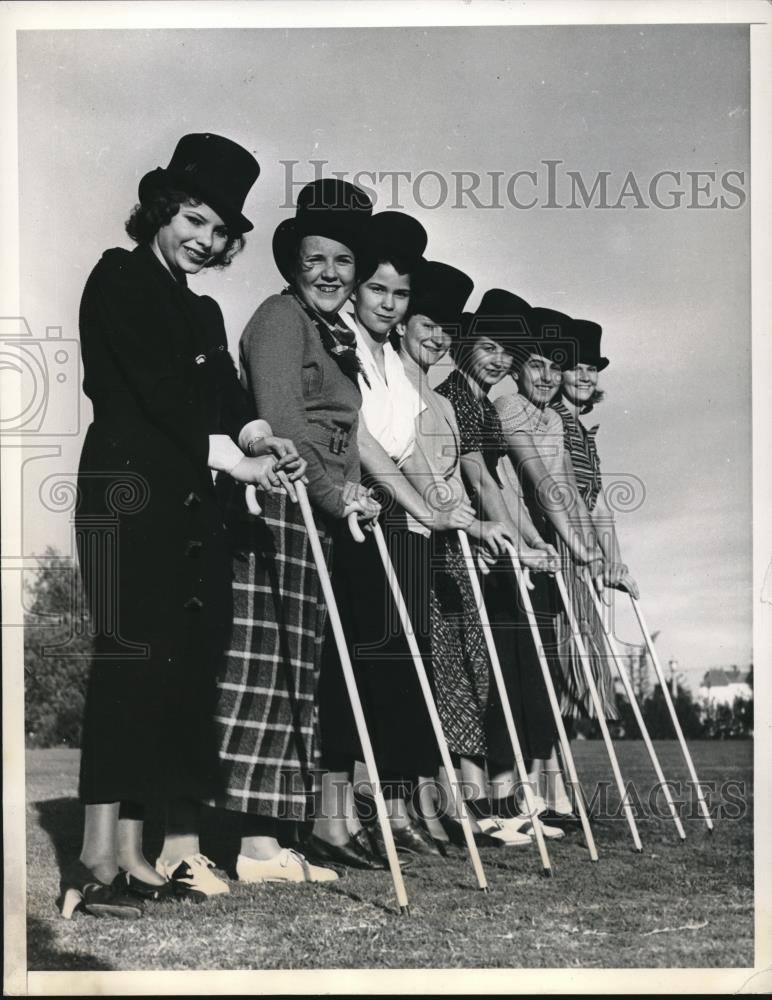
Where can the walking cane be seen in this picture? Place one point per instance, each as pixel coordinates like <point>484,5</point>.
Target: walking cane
<point>501,687</point>
<point>671,708</point>
<point>634,705</point>
<point>565,744</point>
<point>599,714</point>
<point>423,680</point>
<point>353,693</point>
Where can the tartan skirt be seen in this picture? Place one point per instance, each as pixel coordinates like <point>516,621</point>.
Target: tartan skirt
<point>266,717</point>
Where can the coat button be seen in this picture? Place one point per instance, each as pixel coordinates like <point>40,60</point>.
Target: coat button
<point>193,602</point>
<point>191,500</point>
<point>193,547</point>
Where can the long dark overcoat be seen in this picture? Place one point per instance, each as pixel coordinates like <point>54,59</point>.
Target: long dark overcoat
<point>151,541</point>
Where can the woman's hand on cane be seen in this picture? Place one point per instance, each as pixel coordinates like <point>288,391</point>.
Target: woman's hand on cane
<point>360,501</point>
<point>494,536</point>
<point>288,459</point>
<point>459,517</point>
<point>538,559</point>
<point>618,576</point>
<point>260,472</point>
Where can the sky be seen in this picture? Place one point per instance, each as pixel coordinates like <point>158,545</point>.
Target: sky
<point>671,287</point>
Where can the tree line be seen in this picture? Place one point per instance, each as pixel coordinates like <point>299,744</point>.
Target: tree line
<point>57,649</point>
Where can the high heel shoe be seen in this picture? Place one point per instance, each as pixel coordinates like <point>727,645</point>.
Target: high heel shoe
<point>80,888</point>
<point>126,884</point>
<point>455,832</point>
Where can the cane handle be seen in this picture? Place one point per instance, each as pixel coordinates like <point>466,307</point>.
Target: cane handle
<point>252,505</point>
<point>353,526</point>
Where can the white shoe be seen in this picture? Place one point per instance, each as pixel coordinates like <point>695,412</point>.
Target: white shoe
<point>195,871</point>
<point>496,828</point>
<point>523,825</point>
<point>539,805</point>
<point>287,866</point>
<point>561,807</point>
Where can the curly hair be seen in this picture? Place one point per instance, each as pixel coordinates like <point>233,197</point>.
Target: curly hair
<point>595,398</point>
<point>160,208</point>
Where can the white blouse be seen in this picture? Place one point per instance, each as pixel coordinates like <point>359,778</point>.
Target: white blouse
<point>389,405</point>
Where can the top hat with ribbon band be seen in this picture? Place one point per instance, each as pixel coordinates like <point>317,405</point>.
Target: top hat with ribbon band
<point>212,168</point>
<point>326,207</point>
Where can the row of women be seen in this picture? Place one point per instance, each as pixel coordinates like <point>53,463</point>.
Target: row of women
<point>215,680</point>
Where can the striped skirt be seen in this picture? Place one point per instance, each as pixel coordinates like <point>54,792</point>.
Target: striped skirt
<point>266,715</point>
<point>575,700</point>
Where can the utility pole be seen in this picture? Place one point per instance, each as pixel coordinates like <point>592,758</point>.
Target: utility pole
<point>673,665</point>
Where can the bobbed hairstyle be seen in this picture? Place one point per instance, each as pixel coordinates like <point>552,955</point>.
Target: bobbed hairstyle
<point>158,210</point>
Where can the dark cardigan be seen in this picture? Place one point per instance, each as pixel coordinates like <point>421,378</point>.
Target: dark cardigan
<point>302,393</point>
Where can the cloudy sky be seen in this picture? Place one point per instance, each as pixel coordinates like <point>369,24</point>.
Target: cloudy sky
<point>671,287</point>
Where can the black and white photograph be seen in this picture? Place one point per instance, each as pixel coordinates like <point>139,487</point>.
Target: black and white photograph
<point>385,494</point>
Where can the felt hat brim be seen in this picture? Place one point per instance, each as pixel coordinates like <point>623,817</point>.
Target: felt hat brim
<point>197,187</point>
<point>345,228</point>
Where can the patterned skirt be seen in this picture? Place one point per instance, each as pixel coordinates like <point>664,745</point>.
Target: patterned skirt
<point>266,715</point>
<point>458,652</point>
<point>575,699</point>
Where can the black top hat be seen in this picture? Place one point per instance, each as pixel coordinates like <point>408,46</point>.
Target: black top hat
<point>587,335</point>
<point>440,293</point>
<point>554,336</point>
<point>394,236</point>
<point>212,168</point>
<point>325,207</point>
<point>500,315</point>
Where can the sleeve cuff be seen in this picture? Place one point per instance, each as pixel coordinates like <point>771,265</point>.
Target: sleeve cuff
<point>254,429</point>
<point>224,455</point>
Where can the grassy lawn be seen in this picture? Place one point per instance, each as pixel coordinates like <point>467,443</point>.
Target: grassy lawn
<point>676,905</point>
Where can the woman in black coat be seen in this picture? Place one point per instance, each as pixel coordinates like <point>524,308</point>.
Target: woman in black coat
<point>151,543</point>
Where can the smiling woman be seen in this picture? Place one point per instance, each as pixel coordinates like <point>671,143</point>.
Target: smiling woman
<point>300,365</point>
<point>167,404</point>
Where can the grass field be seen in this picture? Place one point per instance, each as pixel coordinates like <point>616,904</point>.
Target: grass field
<point>676,905</point>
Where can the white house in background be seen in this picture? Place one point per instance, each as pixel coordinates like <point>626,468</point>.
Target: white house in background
<point>721,686</point>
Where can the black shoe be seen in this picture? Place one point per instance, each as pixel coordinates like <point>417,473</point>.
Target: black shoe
<point>455,832</point>
<point>81,889</point>
<point>171,891</point>
<point>353,854</point>
<point>415,840</point>
<point>566,820</point>
<point>404,856</point>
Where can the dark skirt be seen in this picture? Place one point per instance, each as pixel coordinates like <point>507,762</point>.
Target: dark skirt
<point>266,716</point>
<point>523,677</point>
<point>395,711</point>
<point>156,574</point>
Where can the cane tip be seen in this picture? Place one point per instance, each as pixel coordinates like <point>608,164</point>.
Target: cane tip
<point>547,872</point>
<point>405,910</point>
<point>711,828</point>
<point>485,889</point>
<point>638,850</point>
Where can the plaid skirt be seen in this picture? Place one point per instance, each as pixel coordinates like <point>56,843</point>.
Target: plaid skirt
<point>266,715</point>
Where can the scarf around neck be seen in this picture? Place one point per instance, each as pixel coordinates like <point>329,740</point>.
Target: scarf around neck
<point>337,339</point>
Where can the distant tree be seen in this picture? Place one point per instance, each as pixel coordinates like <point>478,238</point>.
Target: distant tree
<point>743,716</point>
<point>656,714</point>
<point>56,654</point>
